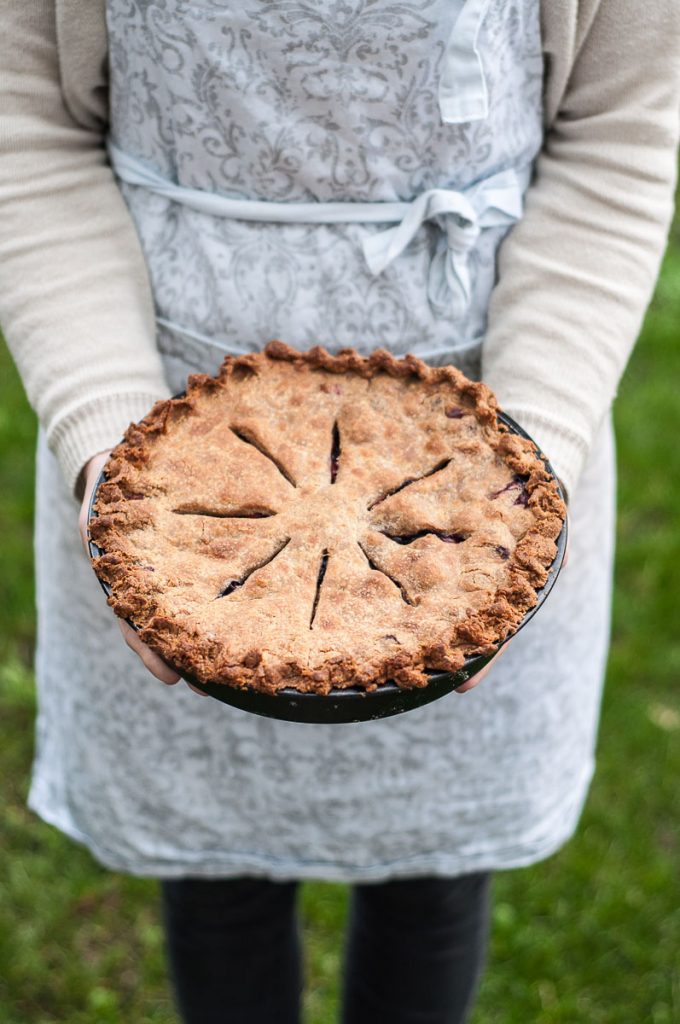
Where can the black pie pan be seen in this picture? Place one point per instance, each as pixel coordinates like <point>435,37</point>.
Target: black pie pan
<point>352,704</point>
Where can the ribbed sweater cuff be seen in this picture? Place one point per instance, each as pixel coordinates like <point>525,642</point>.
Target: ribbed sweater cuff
<point>566,450</point>
<point>95,426</point>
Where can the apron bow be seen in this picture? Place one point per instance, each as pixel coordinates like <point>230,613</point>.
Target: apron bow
<point>460,217</point>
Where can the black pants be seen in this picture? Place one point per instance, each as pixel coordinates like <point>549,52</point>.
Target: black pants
<point>414,950</point>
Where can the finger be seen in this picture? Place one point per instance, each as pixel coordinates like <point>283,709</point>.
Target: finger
<point>92,471</point>
<point>82,526</point>
<point>201,693</point>
<point>476,679</point>
<point>151,660</point>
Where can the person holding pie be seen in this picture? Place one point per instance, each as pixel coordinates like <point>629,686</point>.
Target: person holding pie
<point>480,183</point>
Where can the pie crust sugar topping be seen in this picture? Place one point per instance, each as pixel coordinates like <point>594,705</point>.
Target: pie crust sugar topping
<point>322,521</point>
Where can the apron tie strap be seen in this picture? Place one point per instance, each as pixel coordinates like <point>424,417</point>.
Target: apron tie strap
<point>460,216</point>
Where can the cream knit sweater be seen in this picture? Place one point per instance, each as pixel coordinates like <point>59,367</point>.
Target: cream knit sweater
<point>575,275</point>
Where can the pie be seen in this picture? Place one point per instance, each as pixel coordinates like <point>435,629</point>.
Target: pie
<point>314,521</point>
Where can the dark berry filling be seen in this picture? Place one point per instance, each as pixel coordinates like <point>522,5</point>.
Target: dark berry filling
<point>518,483</point>
<point>408,538</point>
<point>243,513</point>
<point>410,480</point>
<point>335,453</point>
<point>323,565</point>
<point>233,585</point>
<point>454,412</point>
<point>245,434</point>
<point>378,568</point>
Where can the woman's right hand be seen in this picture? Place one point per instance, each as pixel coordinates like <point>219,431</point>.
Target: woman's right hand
<point>155,665</point>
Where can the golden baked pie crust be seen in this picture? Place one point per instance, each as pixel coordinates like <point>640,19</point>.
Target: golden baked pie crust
<point>319,521</point>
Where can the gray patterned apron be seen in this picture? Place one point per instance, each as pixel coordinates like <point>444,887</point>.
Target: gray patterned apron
<point>343,174</point>
<point>327,173</point>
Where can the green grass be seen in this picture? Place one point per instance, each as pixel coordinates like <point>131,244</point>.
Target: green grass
<point>591,936</point>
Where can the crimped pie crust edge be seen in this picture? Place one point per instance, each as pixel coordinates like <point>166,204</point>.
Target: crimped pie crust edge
<point>478,633</point>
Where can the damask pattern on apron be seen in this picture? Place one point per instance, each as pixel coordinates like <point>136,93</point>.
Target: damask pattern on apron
<point>320,103</point>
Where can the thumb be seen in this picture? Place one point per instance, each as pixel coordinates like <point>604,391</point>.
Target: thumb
<point>90,474</point>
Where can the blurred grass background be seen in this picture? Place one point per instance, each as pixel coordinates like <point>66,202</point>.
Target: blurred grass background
<point>591,935</point>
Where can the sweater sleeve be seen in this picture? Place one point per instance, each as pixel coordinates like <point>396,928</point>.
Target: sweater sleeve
<point>577,273</point>
<point>75,301</point>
